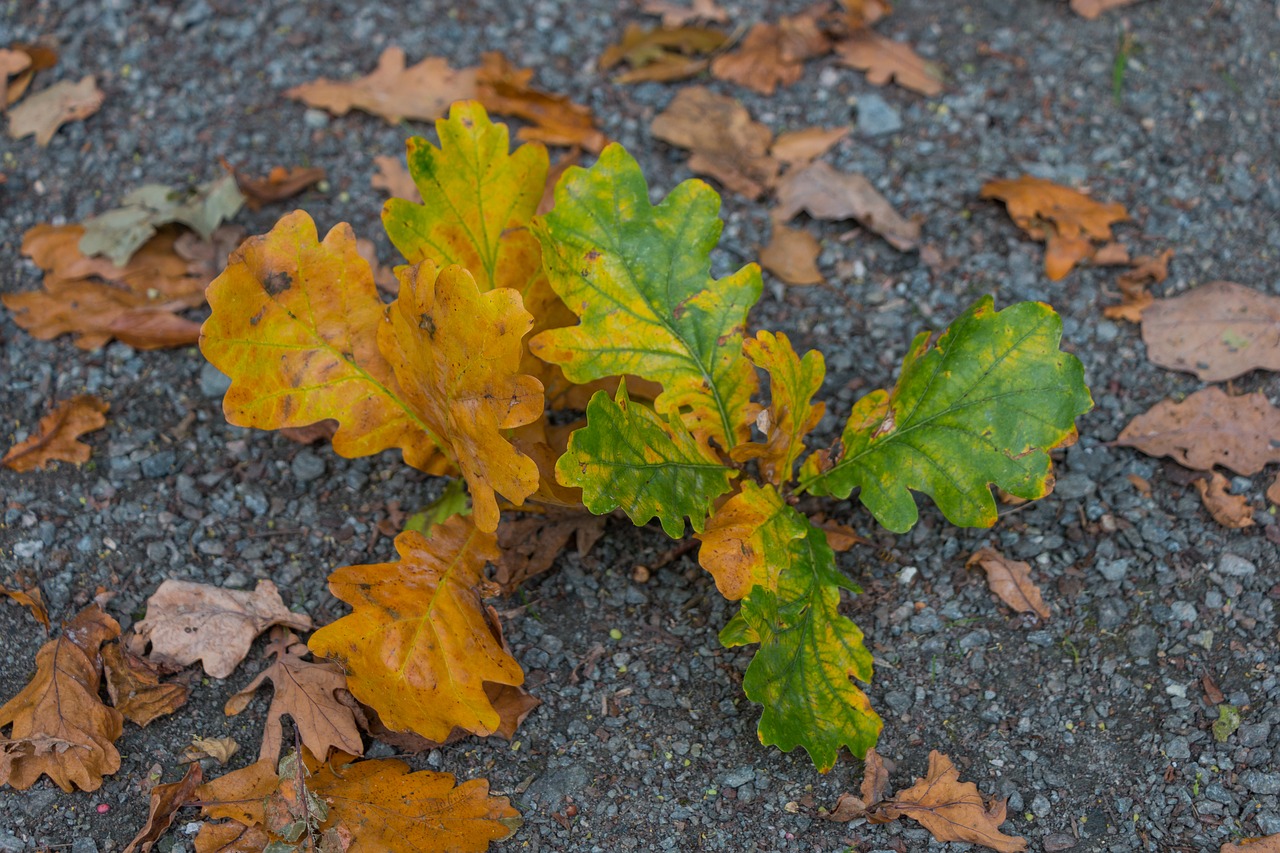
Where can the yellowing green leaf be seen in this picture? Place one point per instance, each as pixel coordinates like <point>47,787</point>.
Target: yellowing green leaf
<point>748,540</point>
<point>791,414</point>
<point>638,276</point>
<point>982,405</point>
<point>417,647</point>
<point>629,457</point>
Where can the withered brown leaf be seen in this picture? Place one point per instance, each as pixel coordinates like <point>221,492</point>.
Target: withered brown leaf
<point>135,689</point>
<point>1217,331</point>
<point>724,141</point>
<point>44,112</point>
<point>1011,580</point>
<point>1227,509</point>
<point>824,193</point>
<point>1209,428</point>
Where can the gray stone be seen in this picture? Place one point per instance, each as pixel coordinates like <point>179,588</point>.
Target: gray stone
<point>1114,570</point>
<point>1268,822</point>
<point>1178,749</point>
<point>1074,487</point>
<point>1112,613</point>
<point>84,844</point>
<point>307,466</point>
<point>1040,806</point>
<point>10,843</point>
<point>1258,782</point>
<point>876,117</point>
<point>1143,641</point>
<point>926,621</point>
<point>898,701</point>
<point>553,787</point>
<point>315,119</point>
<point>1235,565</point>
<point>1253,734</point>
<point>213,382</point>
<point>160,464</point>
<point>739,777</point>
<point>1183,611</point>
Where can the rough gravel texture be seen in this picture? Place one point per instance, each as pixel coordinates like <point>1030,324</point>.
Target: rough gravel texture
<point>1094,725</point>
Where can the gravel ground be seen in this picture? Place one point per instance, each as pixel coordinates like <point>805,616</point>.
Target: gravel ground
<point>1094,725</point>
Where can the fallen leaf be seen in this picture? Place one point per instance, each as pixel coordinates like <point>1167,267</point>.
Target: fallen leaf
<point>1146,270</point>
<point>725,143</point>
<point>135,689</point>
<point>58,434</point>
<point>44,112</point>
<point>875,780</point>
<point>798,147</point>
<point>661,54</point>
<point>279,184</point>
<point>393,177</point>
<point>32,599</point>
<point>60,728</point>
<point>166,800</point>
<point>529,543</point>
<point>11,62</point>
<point>306,691</point>
<point>677,16</point>
<point>953,810</point>
<point>884,59</point>
<point>863,13</point>
<point>119,233</point>
<point>792,255</point>
<point>188,622</point>
<point>1011,580</point>
<point>774,54</point>
<point>206,259</point>
<point>847,808</point>
<point>1091,9</point>
<point>1273,493</point>
<point>422,92</point>
<point>824,193</point>
<point>1111,255</point>
<point>220,749</point>
<point>1227,509</point>
<point>555,120</point>
<point>841,537</point>
<point>1066,219</point>
<point>1217,331</point>
<point>1209,428</point>
<point>1141,484</point>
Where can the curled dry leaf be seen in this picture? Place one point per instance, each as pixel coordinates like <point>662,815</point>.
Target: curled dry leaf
<point>792,255</point>
<point>393,177</point>
<point>661,54</point>
<point>875,780</point>
<point>554,119</point>
<point>1209,428</point>
<point>188,622</point>
<point>44,112</point>
<point>530,542</point>
<point>166,800</point>
<point>40,58</point>
<point>279,184</point>
<point>220,749</point>
<point>11,62</point>
<point>774,54</point>
<point>1217,331</point>
<point>60,728</point>
<point>1146,270</point>
<point>1011,580</point>
<point>1227,509</point>
<point>135,689</point>
<point>824,193</point>
<point>1091,9</point>
<point>58,434</point>
<point>724,141</point>
<point>884,59</point>
<point>420,92</point>
<point>31,599</point>
<point>953,810</point>
<point>674,15</point>
<point>797,147</point>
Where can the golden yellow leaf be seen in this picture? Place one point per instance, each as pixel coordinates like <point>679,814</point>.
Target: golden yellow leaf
<point>57,435</point>
<point>747,540</point>
<point>791,414</point>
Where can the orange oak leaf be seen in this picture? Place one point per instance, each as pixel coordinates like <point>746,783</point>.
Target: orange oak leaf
<point>420,92</point>
<point>417,647</point>
<point>553,119</point>
<point>135,689</point>
<point>1217,331</point>
<point>166,800</point>
<point>31,599</point>
<point>60,728</point>
<point>746,541</point>
<point>188,622</point>
<point>1011,580</point>
<point>306,691</point>
<point>797,147</point>
<point>792,255</point>
<point>279,184</point>
<point>1227,509</point>
<point>674,15</point>
<point>774,54</point>
<point>96,300</point>
<point>220,749</point>
<point>1209,428</point>
<point>1090,10</point>
<point>46,111</point>
<point>58,434</point>
<point>1146,270</point>
<point>724,141</point>
<point>1066,219</point>
<point>952,810</point>
<point>456,353</point>
<point>661,54</point>
<point>884,59</point>
<point>40,58</point>
<point>792,414</point>
<point>824,193</point>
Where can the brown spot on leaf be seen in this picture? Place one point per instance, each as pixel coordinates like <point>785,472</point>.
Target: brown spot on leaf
<point>277,282</point>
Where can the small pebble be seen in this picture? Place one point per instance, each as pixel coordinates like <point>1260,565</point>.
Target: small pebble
<point>876,117</point>
<point>307,466</point>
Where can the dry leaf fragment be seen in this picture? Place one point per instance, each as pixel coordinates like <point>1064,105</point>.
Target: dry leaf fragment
<point>60,728</point>
<point>1091,9</point>
<point>530,543</point>
<point>661,54</point>
<point>32,599</point>
<point>44,112</point>
<point>56,437</point>
<point>1217,331</point>
<point>774,54</point>
<point>863,13</point>
<point>953,810</point>
<point>166,800</point>
<point>279,184</point>
<point>884,59</point>
<point>135,689</point>
<point>307,692</point>
<point>677,16</point>
<point>393,177</point>
<point>797,147</point>
<point>1210,428</point>
<point>220,749</point>
<point>188,622</point>
<point>1227,509</point>
<point>1111,255</point>
<point>1273,492</point>
<point>1011,580</point>
<point>422,92</point>
<point>875,780</point>
<point>792,255</point>
<point>725,143</point>
<point>824,193</point>
<point>1133,283</point>
<point>11,62</point>
<point>555,120</point>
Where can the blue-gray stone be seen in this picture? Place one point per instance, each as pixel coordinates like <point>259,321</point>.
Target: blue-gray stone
<point>876,117</point>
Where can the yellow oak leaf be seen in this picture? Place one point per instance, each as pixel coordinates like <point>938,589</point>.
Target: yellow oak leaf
<point>417,647</point>
<point>791,414</point>
<point>748,540</point>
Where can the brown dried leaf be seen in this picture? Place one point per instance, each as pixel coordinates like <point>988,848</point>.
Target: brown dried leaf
<point>725,143</point>
<point>42,58</point>
<point>1227,509</point>
<point>660,54</point>
<point>1011,580</point>
<point>1111,255</point>
<point>1217,331</point>
<point>421,92</point>
<point>875,778</point>
<point>166,800</point>
<point>46,111</point>
<point>797,147</point>
<point>135,689</point>
<point>207,258</point>
<point>56,437</point>
<point>230,837</point>
<point>220,749</point>
<point>1091,9</point>
<point>773,54</point>
<point>554,119</point>
<point>393,177</point>
<point>1273,492</point>
<point>953,810</point>
<point>1209,428</point>
<point>307,692</point>
<point>677,16</point>
<point>279,184</point>
<point>188,622</point>
<point>60,728</point>
<point>32,599</point>
<point>884,59</point>
<point>863,13</point>
<point>824,193</point>
<point>1147,270</point>
<point>11,62</point>
<point>841,537</point>
<point>531,542</point>
<point>792,255</point>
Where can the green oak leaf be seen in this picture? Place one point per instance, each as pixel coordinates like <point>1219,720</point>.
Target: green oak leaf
<point>638,277</point>
<point>802,673</point>
<point>982,405</point>
<point>627,456</point>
